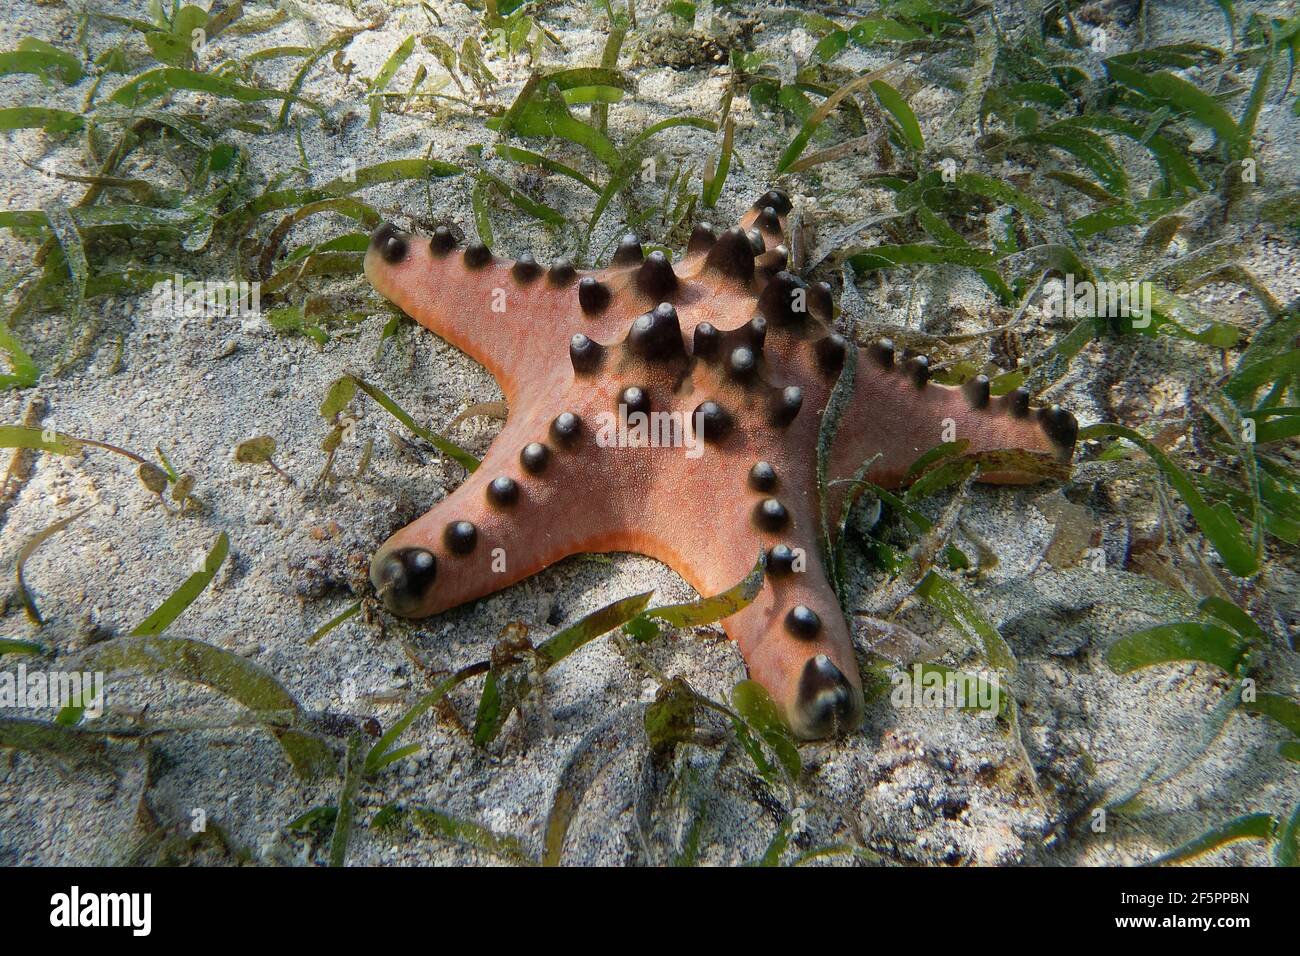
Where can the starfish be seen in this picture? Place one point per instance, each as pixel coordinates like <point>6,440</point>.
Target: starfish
<point>742,355</point>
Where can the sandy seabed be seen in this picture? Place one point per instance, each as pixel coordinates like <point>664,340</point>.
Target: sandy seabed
<point>917,785</point>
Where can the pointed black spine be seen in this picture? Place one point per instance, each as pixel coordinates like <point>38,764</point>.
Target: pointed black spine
<point>566,429</point>
<point>657,335</point>
<point>802,621</point>
<point>882,353</point>
<point>775,198</point>
<point>561,272</point>
<point>712,420</point>
<point>918,370</point>
<point>769,220</point>
<point>821,298</point>
<point>771,515</point>
<point>656,278</point>
<point>593,295</point>
<point>525,269</point>
<point>742,363</point>
<point>535,457</point>
<point>786,408</point>
<point>635,399</point>
<point>477,256</point>
<point>459,537</point>
<point>629,251</point>
<point>442,241</point>
<point>503,491</point>
<point>776,259</point>
<point>707,340</point>
<point>784,300</point>
<point>780,560</point>
<point>831,350</point>
<point>732,255</point>
<point>702,239</point>
<point>585,354</point>
<point>390,243</point>
<point>1059,425</point>
<point>762,477</point>
<point>977,391</point>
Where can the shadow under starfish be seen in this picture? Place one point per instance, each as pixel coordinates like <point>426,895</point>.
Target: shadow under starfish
<point>732,360</point>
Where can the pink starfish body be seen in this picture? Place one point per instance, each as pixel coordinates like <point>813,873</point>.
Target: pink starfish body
<point>742,356</point>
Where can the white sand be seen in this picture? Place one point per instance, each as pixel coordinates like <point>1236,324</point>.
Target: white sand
<point>917,785</point>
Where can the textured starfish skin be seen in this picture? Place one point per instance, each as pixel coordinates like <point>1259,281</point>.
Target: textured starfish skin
<point>701,516</point>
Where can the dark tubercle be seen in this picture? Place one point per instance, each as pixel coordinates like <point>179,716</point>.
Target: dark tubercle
<point>656,278</point>
<point>822,300</point>
<point>825,696</point>
<point>775,198</point>
<point>712,420</point>
<point>566,429</point>
<point>771,515</point>
<point>593,295</point>
<point>657,335</point>
<point>477,256</point>
<point>756,241</point>
<point>882,353</point>
<point>442,241</point>
<point>702,239</point>
<point>762,477</point>
<point>1018,403</point>
<point>977,391</point>
<point>561,272</point>
<point>629,251</point>
<point>1059,425</point>
<point>525,269</point>
<point>775,260</point>
<point>585,354</point>
<point>707,340</point>
<point>784,300</point>
<point>390,243</point>
<point>732,255</point>
<point>635,399</point>
<point>460,537</point>
<point>742,363</point>
<point>403,577</point>
<point>802,621</point>
<point>786,407</point>
<point>503,491</point>
<point>918,370</point>
<point>769,220</point>
<point>756,329</point>
<point>780,560</point>
<point>831,350</point>
<point>535,457</point>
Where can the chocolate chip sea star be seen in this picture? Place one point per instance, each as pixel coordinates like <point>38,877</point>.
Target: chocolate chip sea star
<point>744,356</point>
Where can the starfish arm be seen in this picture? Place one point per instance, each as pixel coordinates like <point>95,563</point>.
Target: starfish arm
<point>896,413</point>
<point>511,316</point>
<point>748,492</point>
<point>793,635</point>
<point>531,502</point>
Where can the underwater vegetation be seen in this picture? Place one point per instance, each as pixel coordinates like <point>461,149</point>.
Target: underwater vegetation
<point>1075,170</point>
